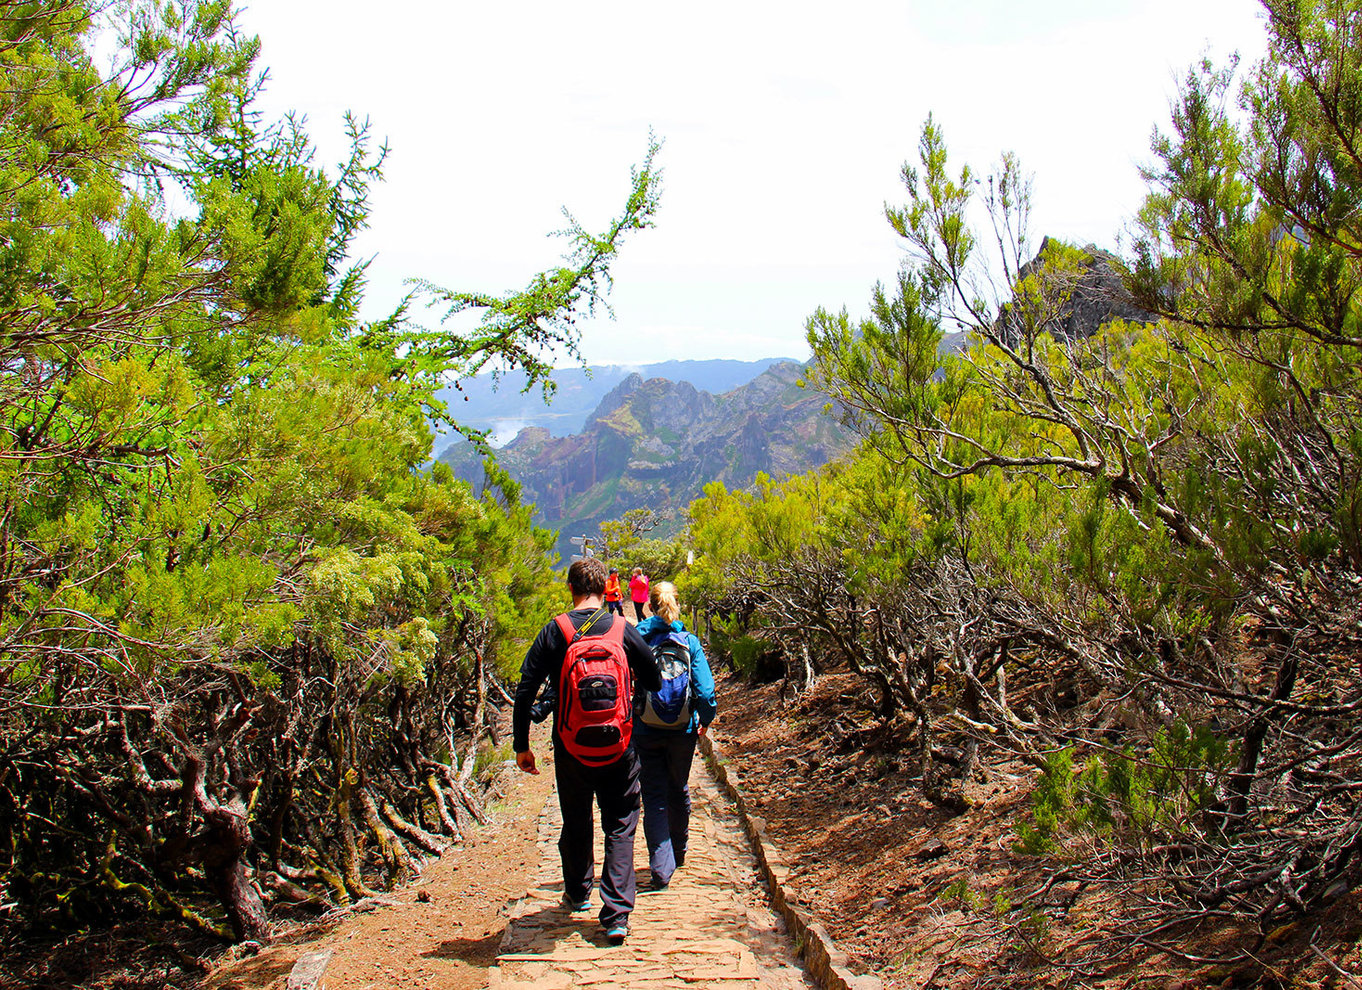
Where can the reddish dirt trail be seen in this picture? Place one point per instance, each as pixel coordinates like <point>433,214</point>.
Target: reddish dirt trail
<point>444,942</point>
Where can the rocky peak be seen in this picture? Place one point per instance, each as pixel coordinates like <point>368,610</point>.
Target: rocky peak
<point>1096,297</point>
<point>530,437</point>
<point>616,397</point>
<point>658,405</point>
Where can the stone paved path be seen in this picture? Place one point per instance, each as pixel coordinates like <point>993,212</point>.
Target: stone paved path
<point>712,927</point>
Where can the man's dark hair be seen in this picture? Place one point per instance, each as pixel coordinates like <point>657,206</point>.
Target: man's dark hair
<point>587,577</point>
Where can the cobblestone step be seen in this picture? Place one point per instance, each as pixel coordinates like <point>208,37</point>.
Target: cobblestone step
<point>713,927</point>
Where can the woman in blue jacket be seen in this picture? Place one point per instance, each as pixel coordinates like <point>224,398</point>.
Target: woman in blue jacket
<point>667,724</point>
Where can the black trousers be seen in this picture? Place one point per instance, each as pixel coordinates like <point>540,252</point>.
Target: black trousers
<point>664,760</point>
<point>615,789</point>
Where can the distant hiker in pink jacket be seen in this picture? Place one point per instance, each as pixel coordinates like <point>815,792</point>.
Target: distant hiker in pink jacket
<point>638,591</point>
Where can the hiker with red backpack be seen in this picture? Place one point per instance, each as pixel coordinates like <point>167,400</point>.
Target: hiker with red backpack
<point>597,661</point>
<point>667,724</point>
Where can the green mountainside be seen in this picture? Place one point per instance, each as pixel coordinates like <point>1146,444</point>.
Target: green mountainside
<point>655,443</point>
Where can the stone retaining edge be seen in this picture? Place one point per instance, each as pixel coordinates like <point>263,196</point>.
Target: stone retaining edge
<point>307,970</point>
<point>828,964</point>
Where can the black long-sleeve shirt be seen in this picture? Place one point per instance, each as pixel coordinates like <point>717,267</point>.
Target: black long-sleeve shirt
<point>544,660</point>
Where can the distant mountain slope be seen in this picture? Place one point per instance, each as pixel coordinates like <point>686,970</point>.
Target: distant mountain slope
<point>505,409</point>
<point>655,443</point>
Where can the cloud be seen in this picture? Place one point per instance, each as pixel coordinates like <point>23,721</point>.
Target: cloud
<point>785,127</point>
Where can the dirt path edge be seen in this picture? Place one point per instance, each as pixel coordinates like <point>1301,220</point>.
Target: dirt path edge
<point>829,965</point>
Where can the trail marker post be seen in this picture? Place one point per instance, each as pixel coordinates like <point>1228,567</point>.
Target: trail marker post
<point>585,543</point>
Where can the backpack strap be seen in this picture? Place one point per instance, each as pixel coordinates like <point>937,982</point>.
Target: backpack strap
<point>571,635</point>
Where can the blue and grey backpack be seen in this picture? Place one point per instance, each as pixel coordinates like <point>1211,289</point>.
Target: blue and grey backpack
<point>669,707</point>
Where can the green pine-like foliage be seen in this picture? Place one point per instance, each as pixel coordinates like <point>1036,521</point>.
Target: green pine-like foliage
<point>246,634</point>
<point>1126,554</point>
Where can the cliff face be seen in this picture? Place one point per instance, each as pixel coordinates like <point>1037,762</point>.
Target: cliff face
<point>656,443</point>
<point>497,403</point>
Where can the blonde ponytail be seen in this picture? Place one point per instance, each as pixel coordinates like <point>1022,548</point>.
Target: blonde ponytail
<point>662,600</point>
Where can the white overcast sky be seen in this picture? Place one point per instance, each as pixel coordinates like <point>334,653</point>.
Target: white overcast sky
<point>785,126</point>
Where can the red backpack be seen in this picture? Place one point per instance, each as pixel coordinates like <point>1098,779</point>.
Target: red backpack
<point>595,694</point>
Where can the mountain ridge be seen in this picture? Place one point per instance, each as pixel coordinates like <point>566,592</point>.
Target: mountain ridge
<point>502,406</point>
<point>655,443</point>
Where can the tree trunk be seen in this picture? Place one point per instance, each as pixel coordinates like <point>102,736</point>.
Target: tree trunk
<point>442,807</point>
<point>349,849</point>
<point>399,862</point>
<point>464,801</point>
<point>479,717</point>
<point>1241,781</point>
<point>809,675</point>
<point>413,833</point>
<point>286,890</point>
<point>278,819</point>
<point>226,840</point>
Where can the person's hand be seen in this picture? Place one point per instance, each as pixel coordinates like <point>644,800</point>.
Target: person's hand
<point>525,761</point>
<point>703,729</point>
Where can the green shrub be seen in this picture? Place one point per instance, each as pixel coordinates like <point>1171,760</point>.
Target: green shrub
<point>1051,805</point>
<point>756,659</point>
<point>487,759</point>
<point>1131,795</point>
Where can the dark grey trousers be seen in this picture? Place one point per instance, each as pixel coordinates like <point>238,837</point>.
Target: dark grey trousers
<point>665,758</point>
<point>615,789</point>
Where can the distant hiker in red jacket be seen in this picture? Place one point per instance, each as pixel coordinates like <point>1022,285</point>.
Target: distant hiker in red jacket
<point>638,591</point>
<point>614,598</point>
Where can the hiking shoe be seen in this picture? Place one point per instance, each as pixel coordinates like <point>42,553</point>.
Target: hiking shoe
<point>617,933</point>
<point>582,905</point>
